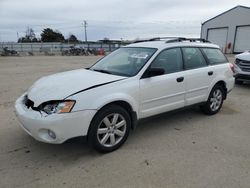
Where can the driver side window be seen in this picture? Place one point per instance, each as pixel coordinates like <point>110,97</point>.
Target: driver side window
<point>170,60</point>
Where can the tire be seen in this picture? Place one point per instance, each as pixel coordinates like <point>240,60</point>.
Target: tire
<point>239,82</point>
<point>215,101</point>
<point>109,129</point>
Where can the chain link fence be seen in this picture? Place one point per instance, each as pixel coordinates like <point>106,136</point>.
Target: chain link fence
<point>50,48</point>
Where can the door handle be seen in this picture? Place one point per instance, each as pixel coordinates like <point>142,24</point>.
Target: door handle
<point>180,79</point>
<point>210,73</point>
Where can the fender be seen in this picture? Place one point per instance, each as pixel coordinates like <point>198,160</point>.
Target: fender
<point>215,81</point>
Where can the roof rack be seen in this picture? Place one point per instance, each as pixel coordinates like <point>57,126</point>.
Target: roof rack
<point>173,39</point>
<point>147,40</point>
<point>182,39</point>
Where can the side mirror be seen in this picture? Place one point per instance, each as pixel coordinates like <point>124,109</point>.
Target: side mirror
<point>155,72</point>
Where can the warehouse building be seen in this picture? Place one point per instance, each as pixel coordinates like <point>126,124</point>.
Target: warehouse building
<point>230,30</point>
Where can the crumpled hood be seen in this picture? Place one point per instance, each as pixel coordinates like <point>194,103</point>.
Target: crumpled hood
<point>61,85</point>
<point>244,56</point>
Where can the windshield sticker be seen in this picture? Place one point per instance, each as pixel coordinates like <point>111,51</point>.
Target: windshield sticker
<point>139,56</point>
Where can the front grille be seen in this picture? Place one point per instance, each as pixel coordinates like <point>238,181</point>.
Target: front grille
<point>28,103</point>
<point>244,65</point>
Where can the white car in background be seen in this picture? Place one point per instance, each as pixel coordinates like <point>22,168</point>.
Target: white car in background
<point>242,67</point>
<point>143,79</point>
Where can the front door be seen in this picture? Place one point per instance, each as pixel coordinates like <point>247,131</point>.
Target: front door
<point>164,92</point>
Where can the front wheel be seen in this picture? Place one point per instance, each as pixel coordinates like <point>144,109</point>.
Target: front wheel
<point>109,129</point>
<point>215,101</point>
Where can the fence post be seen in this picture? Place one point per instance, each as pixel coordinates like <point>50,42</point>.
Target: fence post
<point>31,46</point>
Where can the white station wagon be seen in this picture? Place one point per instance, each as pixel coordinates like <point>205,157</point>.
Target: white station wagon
<point>143,79</point>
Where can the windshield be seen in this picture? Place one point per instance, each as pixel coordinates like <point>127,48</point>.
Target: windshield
<point>126,61</point>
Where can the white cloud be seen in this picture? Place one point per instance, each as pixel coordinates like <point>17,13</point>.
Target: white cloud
<point>110,18</point>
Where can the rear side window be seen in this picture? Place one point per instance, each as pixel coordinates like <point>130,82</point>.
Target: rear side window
<point>214,56</point>
<point>193,58</point>
<point>170,60</point>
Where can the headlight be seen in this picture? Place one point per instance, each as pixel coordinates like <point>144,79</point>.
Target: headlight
<point>58,107</point>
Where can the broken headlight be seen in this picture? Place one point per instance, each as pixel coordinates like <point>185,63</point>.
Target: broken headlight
<point>58,107</point>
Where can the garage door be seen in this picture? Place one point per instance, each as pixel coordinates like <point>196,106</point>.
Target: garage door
<point>242,39</point>
<point>218,36</point>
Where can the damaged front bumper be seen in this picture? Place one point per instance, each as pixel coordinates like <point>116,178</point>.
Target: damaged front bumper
<point>54,128</point>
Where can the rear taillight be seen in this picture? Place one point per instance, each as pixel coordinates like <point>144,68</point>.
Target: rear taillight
<point>232,67</point>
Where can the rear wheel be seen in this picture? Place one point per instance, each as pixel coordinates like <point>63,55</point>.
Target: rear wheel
<point>109,129</point>
<point>215,100</point>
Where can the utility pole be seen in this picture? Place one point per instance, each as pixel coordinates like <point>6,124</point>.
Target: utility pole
<point>17,35</point>
<point>85,30</point>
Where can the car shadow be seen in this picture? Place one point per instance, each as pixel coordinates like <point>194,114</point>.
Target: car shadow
<point>77,148</point>
<point>169,120</point>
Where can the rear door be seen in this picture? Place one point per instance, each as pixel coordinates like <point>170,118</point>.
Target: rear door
<point>198,75</point>
<point>164,92</point>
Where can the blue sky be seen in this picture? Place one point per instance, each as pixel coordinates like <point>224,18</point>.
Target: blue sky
<point>114,19</point>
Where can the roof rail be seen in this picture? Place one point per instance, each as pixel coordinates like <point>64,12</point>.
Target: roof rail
<point>154,39</point>
<point>173,39</point>
<point>181,39</point>
<point>147,40</point>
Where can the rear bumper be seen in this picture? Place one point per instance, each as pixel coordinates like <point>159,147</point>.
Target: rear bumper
<point>230,84</point>
<point>64,126</point>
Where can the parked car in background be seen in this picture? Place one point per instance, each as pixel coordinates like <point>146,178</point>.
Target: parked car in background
<point>143,79</point>
<point>242,67</point>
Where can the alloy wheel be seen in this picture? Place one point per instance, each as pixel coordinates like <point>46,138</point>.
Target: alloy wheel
<point>111,130</point>
<point>216,100</point>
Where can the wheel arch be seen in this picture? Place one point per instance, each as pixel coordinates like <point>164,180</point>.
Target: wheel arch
<point>124,104</point>
<point>223,85</point>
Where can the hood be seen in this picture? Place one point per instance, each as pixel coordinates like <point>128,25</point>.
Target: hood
<point>244,56</point>
<point>61,85</point>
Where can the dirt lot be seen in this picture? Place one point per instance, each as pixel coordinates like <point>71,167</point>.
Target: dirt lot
<point>183,149</point>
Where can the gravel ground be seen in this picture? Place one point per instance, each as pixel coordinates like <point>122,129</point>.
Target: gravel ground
<point>181,149</point>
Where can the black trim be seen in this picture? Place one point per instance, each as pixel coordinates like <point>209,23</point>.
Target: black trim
<point>134,120</point>
<point>243,77</point>
<point>239,6</point>
<point>188,39</point>
<point>92,87</point>
<point>205,57</point>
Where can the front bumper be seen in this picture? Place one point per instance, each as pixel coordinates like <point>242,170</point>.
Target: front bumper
<point>241,75</point>
<point>64,126</point>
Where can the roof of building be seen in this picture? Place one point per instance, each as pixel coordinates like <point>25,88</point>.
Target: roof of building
<point>239,6</point>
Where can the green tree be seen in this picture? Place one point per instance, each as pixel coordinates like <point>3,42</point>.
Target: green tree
<point>48,35</point>
<point>72,38</point>
<point>29,36</point>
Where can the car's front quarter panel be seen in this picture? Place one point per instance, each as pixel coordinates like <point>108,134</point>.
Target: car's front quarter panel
<point>126,90</point>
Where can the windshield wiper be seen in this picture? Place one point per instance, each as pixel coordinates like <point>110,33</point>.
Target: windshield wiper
<point>102,71</point>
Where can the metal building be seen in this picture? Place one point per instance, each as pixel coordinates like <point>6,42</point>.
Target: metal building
<point>230,30</point>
